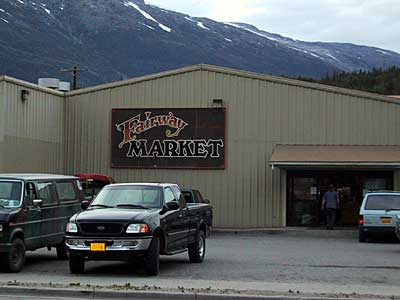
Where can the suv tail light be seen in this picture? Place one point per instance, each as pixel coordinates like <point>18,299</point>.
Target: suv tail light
<point>361,220</point>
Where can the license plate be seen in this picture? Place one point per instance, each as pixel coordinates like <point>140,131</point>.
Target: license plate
<point>97,247</point>
<point>386,220</point>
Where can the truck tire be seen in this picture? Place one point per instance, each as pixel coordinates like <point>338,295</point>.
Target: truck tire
<point>14,260</point>
<point>76,264</point>
<point>197,250</point>
<point>62,252</point>
<point>152,259</point>
<point>362,236</point>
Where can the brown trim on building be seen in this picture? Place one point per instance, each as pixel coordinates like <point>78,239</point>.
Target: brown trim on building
<point>341,155</point>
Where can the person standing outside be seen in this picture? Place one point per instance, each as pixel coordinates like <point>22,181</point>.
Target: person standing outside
<point>330,202</point>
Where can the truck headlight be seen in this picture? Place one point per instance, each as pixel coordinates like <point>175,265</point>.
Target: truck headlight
<point>137,228</point>
<point>72,228</point>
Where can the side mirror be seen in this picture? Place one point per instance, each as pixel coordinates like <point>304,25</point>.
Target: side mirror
<point>37,202</point>
<point>85,204</point>
<point>173,205</point>
<point>206,201</point>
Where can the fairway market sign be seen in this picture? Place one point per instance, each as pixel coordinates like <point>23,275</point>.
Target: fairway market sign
<point>168,138</point>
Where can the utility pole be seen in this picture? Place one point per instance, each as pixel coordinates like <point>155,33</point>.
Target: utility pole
<point>74,71</point>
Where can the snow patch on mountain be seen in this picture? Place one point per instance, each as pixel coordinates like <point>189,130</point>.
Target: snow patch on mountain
<point>383,52</point>
<point>252,31</point>
<point>147,15</point>
<point>198,23</point>
<point>42,6</point>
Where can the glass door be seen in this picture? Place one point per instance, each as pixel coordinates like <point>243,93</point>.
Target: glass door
<point>303,204</point>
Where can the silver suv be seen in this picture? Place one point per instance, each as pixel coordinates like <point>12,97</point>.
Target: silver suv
<point>378,213</point>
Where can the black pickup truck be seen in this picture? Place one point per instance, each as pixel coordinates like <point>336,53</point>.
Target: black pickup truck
<point>137,220</point>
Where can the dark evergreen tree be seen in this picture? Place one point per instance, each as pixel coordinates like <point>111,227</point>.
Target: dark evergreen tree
<point>385,82</point>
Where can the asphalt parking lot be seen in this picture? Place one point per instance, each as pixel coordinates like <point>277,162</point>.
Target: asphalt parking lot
<point>285,257</point>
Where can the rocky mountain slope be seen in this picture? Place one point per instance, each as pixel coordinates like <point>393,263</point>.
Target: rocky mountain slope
<point>116,39</point>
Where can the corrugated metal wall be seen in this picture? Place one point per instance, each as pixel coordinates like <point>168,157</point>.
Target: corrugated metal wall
<point>261,114</point>
<point>32,132</point>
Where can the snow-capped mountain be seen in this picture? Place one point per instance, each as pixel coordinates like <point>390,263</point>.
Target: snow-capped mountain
<point>116,39</point>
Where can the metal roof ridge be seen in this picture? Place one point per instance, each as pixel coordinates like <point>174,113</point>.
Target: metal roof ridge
<point>133,80</point>
<point>212,68</point>
<point>30,85</point>
<point>240,73</point>
<point>304,84</point>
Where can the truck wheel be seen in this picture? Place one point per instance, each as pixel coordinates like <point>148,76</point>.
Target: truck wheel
<point>197,250</point>
<point>152,259</point>
<point>76,264</point>
<point>362,236</point>
<point>62,251</point>
<point>14,260</point>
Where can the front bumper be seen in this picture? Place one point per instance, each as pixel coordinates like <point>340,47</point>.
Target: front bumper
<point>112,244</point>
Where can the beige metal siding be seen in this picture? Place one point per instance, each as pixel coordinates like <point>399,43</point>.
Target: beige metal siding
<point>2,122</point>
<point>32,132</point>
<point>261,114</point>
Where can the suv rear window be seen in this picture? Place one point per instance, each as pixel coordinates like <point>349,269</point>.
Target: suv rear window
<point>383,202</point>
<point>66,191</point>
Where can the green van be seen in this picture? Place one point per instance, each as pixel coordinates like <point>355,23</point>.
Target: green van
<point>34,210</point>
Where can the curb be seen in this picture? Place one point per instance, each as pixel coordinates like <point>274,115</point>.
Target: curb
<point>144,295</point>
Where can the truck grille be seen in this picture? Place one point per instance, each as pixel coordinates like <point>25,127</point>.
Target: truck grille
<point>101,228</point>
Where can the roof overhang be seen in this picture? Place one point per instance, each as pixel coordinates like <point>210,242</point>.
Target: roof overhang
<point>326,156</point>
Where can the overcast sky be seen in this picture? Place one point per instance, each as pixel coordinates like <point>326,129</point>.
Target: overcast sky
<point>366,22</point>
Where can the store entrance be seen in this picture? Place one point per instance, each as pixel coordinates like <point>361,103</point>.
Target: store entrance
<point>306,189</point>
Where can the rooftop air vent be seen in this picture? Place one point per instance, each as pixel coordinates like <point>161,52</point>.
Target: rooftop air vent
<point>51,83</point>
<point>64,86</point>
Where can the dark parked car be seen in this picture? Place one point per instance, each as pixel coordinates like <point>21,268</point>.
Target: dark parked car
<point>34,210</point>
<point>194,196</point>
<point>138,220</point>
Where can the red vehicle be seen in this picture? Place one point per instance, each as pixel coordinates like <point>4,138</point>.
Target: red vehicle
<point>93,183</point>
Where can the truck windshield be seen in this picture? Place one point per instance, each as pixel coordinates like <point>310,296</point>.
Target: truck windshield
<point>383,202</point>
<point>129,197</point>
<point>10,194</point>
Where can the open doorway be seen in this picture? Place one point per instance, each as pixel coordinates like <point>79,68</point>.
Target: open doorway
<point>306,189</point>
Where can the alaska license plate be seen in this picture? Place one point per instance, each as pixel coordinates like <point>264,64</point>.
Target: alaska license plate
<point>97,247</point>
<point>386,220</point>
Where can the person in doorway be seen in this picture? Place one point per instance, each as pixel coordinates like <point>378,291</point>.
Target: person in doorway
<point>330,203</point>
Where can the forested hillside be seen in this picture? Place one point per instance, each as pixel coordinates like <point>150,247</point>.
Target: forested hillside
<point>385,82</point>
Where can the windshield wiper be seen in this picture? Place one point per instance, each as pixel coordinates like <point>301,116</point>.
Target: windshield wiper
<point>101,205</point>
<point>131,206</point>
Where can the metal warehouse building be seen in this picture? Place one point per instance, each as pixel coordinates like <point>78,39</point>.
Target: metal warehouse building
<point>263,149</point>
